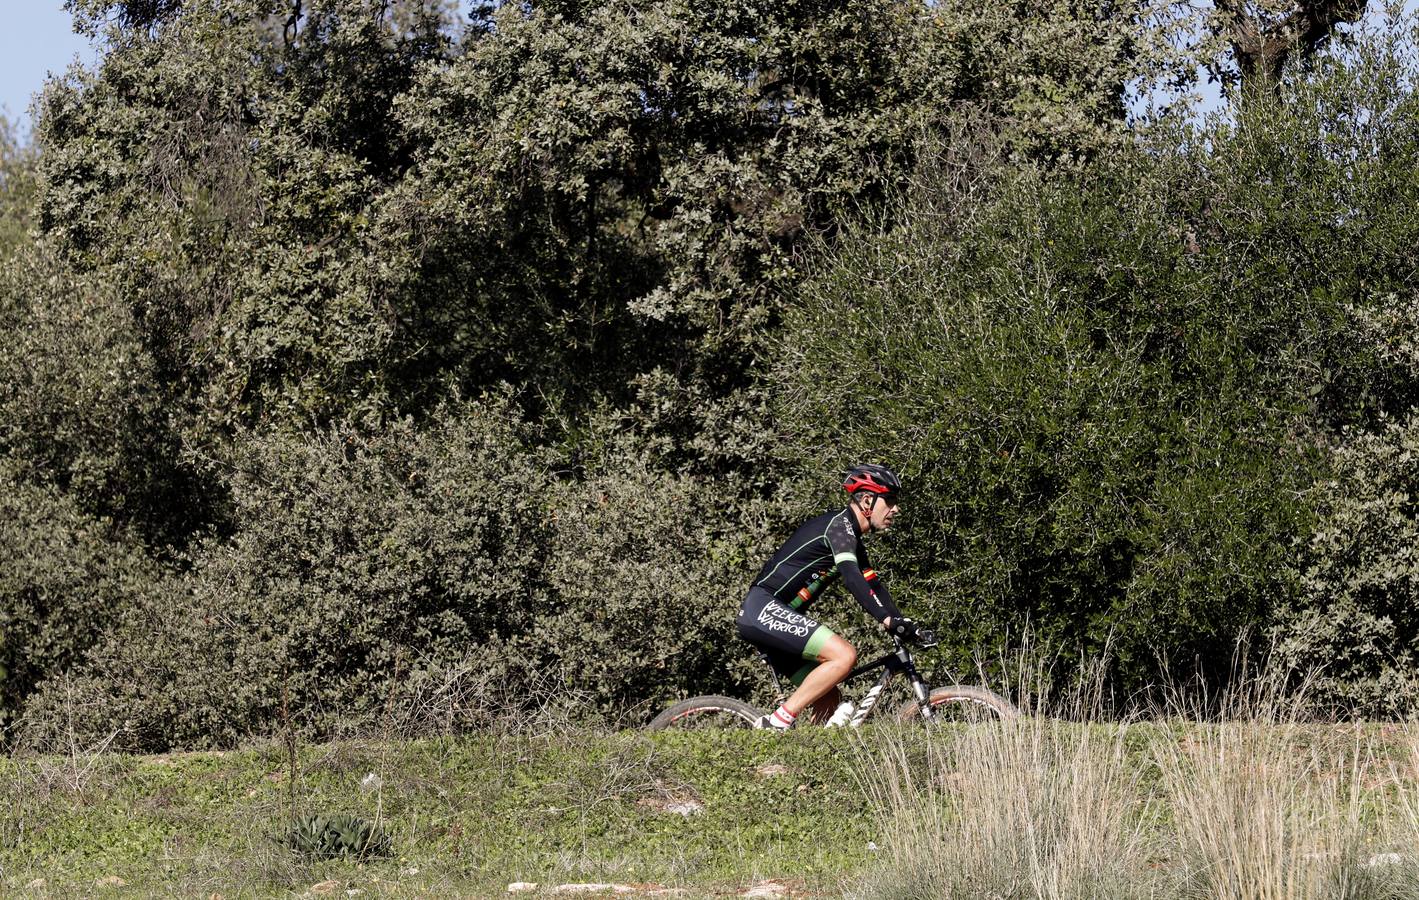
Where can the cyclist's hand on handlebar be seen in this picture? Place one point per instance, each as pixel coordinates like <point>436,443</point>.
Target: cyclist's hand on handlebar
<point>908,630</point>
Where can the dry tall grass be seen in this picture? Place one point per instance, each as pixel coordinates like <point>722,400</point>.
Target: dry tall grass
<point>1263,806</point>
<point>1036,808</point>
<point>1252,801</point>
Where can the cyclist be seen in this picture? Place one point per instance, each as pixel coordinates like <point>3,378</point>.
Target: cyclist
<point>823,550</point>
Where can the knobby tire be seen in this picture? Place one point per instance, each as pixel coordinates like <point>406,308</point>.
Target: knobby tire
<point>697,711</point>
<point>976,702</point>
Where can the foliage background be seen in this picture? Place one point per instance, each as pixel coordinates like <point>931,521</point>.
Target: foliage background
<point>367,360</point>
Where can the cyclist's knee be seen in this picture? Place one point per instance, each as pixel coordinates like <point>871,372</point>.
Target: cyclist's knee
<point>839,652</point>
<point>850,658</point>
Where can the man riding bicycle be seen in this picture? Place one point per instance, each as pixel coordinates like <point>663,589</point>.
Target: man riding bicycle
<point>823,550</point>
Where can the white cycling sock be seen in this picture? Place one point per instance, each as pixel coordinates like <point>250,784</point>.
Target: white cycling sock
<point>782,718</point>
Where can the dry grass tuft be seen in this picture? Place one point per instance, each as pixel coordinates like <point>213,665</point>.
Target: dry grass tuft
<point>1242,797</point>
<point>1038,807</point>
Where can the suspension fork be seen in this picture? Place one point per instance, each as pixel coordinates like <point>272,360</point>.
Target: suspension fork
<point>923,695</point>
<point>919,686</point>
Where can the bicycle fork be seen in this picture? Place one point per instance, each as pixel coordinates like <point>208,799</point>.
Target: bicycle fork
<point>923,698</point>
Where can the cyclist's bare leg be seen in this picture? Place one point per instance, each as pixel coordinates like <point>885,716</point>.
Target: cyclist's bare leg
<point>836,660</point>
<point>824,706</point>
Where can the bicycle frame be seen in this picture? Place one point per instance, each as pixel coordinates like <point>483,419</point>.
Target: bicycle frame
<point>899,660</point>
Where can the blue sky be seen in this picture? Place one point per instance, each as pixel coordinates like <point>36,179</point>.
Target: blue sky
<point>38,38</point>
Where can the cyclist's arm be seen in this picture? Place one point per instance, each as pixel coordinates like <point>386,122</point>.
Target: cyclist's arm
<point>868,590</point>
<point>879,587</point>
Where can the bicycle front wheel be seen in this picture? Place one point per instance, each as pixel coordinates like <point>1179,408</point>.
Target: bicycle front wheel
<point>710,711</point>
<point>963,703</point>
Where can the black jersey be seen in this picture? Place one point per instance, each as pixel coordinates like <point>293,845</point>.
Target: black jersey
<point>820,552</point>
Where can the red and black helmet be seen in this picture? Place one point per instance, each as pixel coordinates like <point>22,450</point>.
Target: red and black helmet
<point>872,477</point>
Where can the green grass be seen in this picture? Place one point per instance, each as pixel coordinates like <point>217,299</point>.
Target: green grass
<point>466,816</point>
<point>1038,808</point>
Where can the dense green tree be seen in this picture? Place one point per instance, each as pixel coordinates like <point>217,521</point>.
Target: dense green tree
<point>217,170</point>
<point>638,200</point>
<point>323,209</point>
<point>1116,388</point>
<point>17,186</point>
<point>273,244</point>
<point>1354,626</point>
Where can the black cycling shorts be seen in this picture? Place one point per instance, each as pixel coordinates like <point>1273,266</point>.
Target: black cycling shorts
<point>791,640</point>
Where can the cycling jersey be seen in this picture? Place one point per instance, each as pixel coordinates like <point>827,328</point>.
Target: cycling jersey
<point>823,550</point>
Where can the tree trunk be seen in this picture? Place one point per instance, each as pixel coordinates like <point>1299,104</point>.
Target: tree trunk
<point>1262,43</point>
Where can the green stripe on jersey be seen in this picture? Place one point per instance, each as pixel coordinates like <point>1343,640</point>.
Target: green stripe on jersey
<point>845,556</point>
<point>761,581</point>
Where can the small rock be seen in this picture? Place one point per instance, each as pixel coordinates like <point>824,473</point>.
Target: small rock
<point>1384,859</point>
<point>684,807</point>
<point>216,896</point>
<point>411,870</point>
<point>771,770</point>
<point>36,884</point>
<point>593,889</point>
<point>110,881</point>
<point>767,889</point>
<point>522,887</point>
<point>325,887</point>
<point>872,845</point>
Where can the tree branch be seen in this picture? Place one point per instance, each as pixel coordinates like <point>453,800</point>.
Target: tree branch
<point>1262,47</point>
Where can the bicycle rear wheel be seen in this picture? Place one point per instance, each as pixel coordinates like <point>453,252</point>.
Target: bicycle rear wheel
<point>710,711</point>
<point>963,703</point>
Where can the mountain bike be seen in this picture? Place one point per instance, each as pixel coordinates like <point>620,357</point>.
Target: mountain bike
<point>957,702</point>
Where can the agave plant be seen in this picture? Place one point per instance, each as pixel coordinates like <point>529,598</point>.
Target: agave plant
<point>325,837</point>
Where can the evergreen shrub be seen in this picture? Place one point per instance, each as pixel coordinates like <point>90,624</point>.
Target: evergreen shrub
<point>1355,627</point>
<point>80,405</point>
<point>1113,389</point>
<point>65,576</point>
<point>375,579</point>
<point>357,560</point>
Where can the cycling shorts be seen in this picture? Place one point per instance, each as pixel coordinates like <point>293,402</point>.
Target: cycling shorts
<point>786,637</point>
